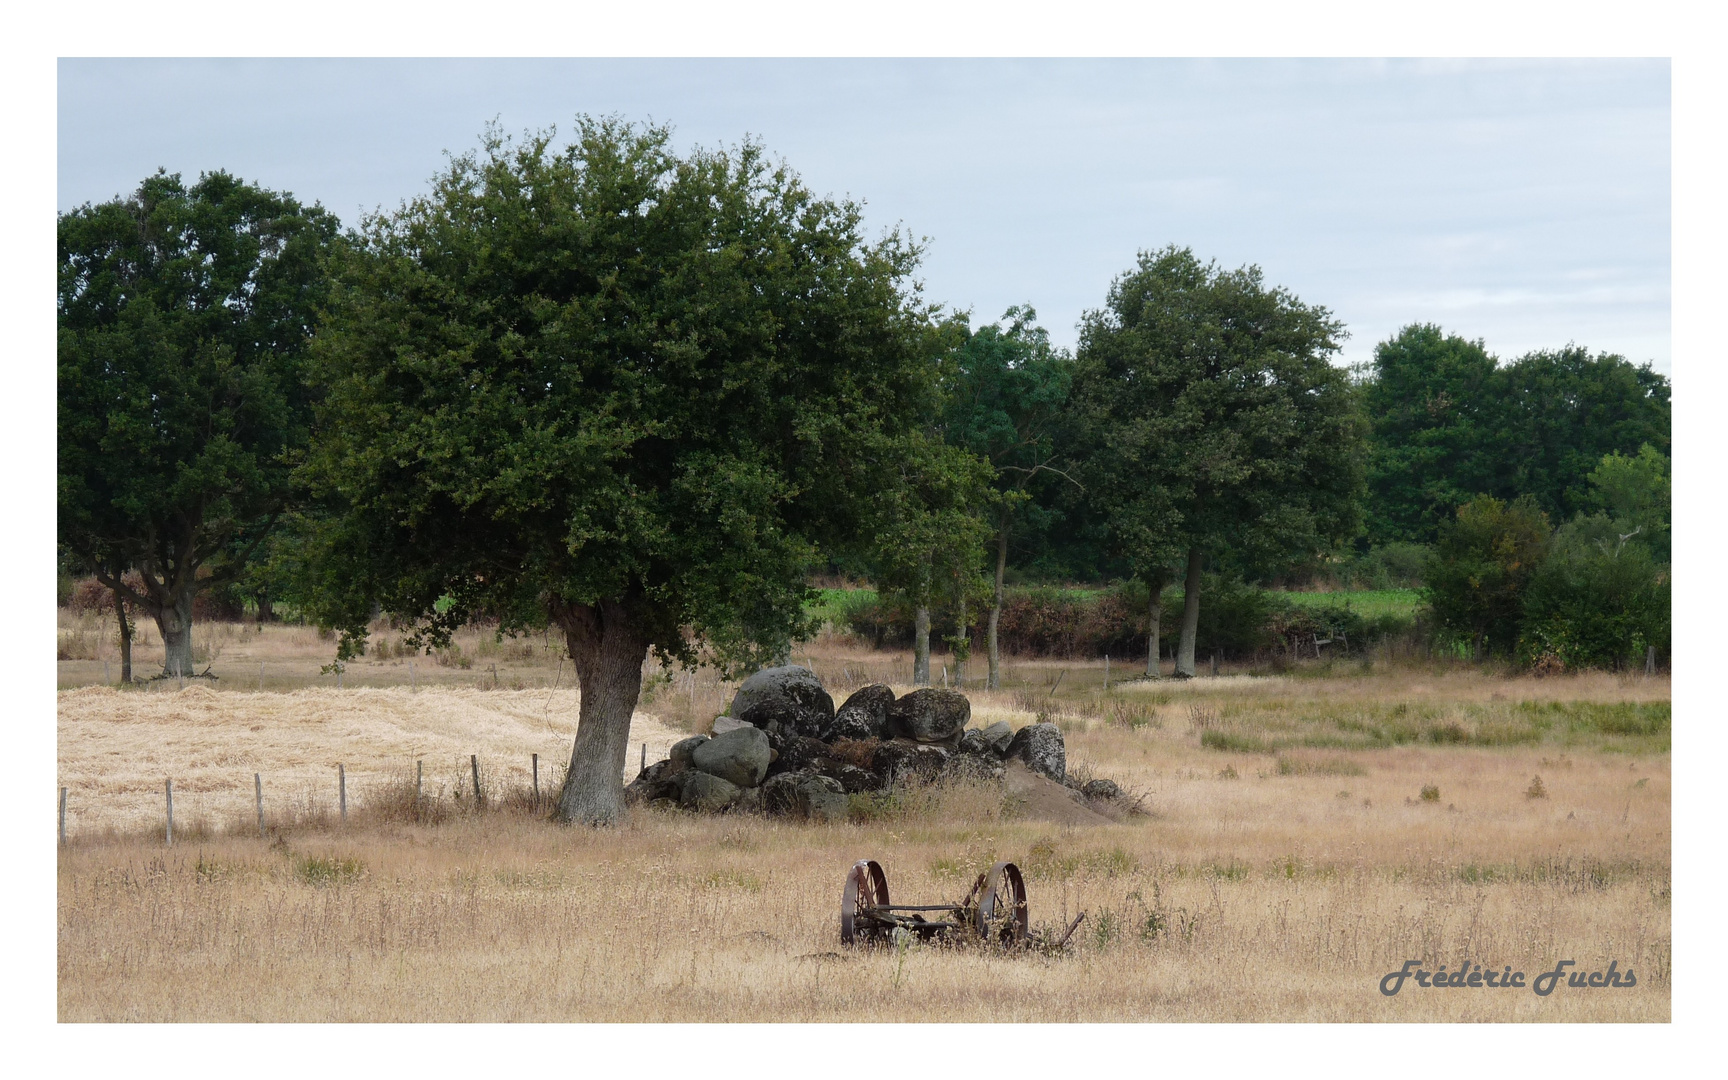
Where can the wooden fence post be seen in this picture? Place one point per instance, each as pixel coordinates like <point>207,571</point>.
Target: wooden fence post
<point>644,767</point>
<point>170,789</point>
<point>1650,660</point>
<point>260,676</point>
<point>419,775</point>
<point>62,817</point>
<point>1106,673</point>
<point>342,790</point>
<point>104,673</point>
<point>258,794</point>
<point>474,764</point>
<point>413,679</point>
<point>536,777</point>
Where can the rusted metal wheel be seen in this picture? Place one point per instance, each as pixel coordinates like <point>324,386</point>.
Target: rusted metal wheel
<point>1001,912</point>
<point>866,887</point>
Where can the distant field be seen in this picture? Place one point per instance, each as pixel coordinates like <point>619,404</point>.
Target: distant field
<point>1369,603</point>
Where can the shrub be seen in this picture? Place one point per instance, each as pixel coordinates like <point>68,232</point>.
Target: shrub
<point>1597,601</point>
<point>1477,575</point>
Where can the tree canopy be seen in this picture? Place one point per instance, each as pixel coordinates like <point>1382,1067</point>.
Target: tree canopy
<point>1449,422</point>
<point>1431,424</point>
<point>185,316</point>
<point>631,392</point>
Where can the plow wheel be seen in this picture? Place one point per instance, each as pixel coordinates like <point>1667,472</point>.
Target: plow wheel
<point>1001,913</point>
<point>866,887</point>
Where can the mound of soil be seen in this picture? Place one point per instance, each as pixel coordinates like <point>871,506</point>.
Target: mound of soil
<point>1042,799</point>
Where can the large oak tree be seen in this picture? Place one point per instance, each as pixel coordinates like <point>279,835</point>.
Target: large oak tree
<point>630,392</point>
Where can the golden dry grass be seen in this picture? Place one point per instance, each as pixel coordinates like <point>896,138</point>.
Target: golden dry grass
<point>117,747</point>
<point>1261,886</point>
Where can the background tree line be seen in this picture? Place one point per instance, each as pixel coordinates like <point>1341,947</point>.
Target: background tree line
<point>642,398</point>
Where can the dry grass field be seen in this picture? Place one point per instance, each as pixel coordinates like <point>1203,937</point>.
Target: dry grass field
<point>1286,859</point>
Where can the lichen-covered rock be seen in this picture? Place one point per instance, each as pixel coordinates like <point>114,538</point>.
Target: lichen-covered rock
<point>998,735</point>
<point>1101,789</point>
<point>740,757</point>
<point>789,700</point>
<point>824,802</point>
<point>972,741</point>
<point>934,715</point>
<point>851,777</point>
<point>657,781</point>
<point>807,796</point>
<point>1041,747</point>
<point>796,753</point>
<point>679,757</point>
<point>706,792</point>
<point>901,759</point>
<point>863,716</point>
<point>723,724</point>
<point>964,766</point>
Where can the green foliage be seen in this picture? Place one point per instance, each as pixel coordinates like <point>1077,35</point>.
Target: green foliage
<point>1596,601</point>
<point>1007,392</point>
<point>1483,561</point>
<point>1449,423</point>
<point>605,376</point>
<point>1431,426</point>
<point>1209,417</point>
<point>185,318</point>
<point>1564,411</point>
<point>1636,492</point>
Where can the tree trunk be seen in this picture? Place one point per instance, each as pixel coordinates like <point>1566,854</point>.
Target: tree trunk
<point>125,639</point>
<point>921,646</point>
<point>266,610</point>
<point>607,652</point>
<point>174,621</point>
<point>995,681</point>
<point>1190,616</point>
<point>1154,628</point>
<point>962,636</point>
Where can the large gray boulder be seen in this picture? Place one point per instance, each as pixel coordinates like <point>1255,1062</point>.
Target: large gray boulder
<point>787,700</point>
<point>932,715</point>
<point>1040,746</point>
<point>806,796</point>
<point>739,757</point>
<point>705,792</point>
<point>864,716</point>
<point>682,751</point>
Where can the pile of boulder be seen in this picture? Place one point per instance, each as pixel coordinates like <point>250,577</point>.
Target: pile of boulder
<point>784,749</point>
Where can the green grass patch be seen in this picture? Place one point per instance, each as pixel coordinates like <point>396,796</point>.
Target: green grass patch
<point>321,871</point>
<point>1633,727</point>
<point>1368,603</point>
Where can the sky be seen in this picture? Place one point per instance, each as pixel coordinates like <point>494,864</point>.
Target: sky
<point>1526,203</point>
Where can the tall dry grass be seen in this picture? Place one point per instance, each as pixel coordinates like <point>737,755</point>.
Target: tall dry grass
<point>1273,885</point>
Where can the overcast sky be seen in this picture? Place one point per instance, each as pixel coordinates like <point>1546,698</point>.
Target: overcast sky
<point>1524,203</point>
